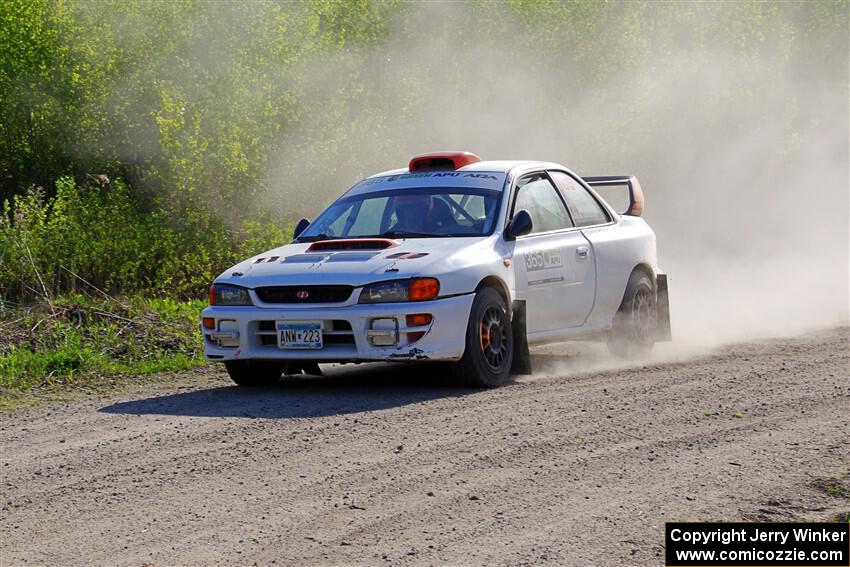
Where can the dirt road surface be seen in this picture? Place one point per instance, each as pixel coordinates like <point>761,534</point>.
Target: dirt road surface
<point>389,467</point>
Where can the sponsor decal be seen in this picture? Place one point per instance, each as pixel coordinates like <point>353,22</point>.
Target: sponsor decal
<point>433,174</point>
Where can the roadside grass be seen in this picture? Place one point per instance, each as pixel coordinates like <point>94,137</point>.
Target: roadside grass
<point>80,342</point>
<point>840,518</point>
<point>836,487</point>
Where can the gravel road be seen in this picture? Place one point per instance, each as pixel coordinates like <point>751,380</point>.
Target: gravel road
<point>390,466</point>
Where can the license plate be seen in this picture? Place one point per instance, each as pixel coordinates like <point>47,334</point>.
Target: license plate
<point>302,335</point>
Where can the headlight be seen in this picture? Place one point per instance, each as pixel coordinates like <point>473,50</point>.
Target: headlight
<point>221,294</point>
<point>416,289</point>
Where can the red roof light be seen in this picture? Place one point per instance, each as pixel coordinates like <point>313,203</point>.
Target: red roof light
<point>442,161</point>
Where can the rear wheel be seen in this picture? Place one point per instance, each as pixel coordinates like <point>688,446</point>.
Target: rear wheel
<point>636,323</point>
<point>489,351</point>
<point>253,372</point>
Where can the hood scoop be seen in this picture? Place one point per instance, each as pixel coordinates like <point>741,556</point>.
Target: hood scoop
<point>352,244</point>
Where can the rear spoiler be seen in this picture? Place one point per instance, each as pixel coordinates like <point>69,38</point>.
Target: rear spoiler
<point>630,181</point>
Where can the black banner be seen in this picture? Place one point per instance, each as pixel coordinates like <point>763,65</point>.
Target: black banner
<point>757,544</point>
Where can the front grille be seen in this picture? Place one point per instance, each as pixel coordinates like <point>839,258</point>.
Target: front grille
<point>314,293</point>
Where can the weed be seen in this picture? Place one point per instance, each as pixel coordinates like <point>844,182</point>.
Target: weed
<point>834,487</point>
<point>78,340</point>
<point>101,240</point>
<point>840,518</point>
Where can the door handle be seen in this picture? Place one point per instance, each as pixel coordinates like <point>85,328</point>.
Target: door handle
<point>582,251</point>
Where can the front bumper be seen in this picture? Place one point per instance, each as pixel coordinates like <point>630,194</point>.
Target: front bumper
<point>250,331</point>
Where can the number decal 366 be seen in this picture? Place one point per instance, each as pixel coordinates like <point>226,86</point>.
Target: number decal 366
<point>542,260</point>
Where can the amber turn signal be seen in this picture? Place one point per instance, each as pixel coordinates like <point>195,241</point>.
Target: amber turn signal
<point>423,289</point>
<point>418,320</point>
<point>209,323</point>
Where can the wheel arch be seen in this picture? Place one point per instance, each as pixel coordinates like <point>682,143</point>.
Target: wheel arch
<point>521,357</point>
<point>498,284</point>
<point>644,268</point>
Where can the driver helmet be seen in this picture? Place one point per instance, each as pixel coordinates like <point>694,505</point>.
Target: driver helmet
<point>413,210</point>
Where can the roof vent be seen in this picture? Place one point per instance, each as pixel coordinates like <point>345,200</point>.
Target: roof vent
<point>442,161</point>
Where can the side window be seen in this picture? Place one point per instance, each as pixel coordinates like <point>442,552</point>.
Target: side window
<point>537,195</point>
<point>583,207</point>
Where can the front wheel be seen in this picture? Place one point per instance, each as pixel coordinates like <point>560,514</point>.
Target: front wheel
<point>489,350</point>
<point>253,373</point>
<point>635,324</point>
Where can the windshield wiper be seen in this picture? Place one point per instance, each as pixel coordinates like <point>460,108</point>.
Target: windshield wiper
<point>410,234</point>
<point>315,237</point>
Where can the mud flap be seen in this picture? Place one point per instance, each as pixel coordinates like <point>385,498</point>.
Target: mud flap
<point>522,358</point>
<point>662,302</point>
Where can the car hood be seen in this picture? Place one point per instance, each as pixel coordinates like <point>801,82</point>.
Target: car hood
<point>293,264</point>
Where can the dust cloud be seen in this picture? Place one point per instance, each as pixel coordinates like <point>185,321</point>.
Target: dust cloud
<point>738,135</point>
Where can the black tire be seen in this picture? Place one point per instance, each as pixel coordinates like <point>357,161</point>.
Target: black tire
<point>253,373</point>
<point>489,352</point>
<point>635,325</point>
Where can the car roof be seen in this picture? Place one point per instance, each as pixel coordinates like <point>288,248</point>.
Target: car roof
<point>491,175</point>
<point>500,166</point>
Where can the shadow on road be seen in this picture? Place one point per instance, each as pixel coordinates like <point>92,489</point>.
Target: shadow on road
<point>342,390</point>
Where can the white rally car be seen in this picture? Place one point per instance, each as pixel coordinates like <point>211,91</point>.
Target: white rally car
<point>450,259</point>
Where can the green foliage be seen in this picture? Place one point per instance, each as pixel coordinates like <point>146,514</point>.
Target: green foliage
<point>90,237</point>
<point>79,340</point>
<point>183,101</point>
<point>184,98</point>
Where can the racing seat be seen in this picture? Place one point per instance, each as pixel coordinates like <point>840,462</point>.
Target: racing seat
<point>441,214</point>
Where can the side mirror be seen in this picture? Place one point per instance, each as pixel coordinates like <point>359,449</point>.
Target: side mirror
<point>300,227</point>
<point>520,225</point>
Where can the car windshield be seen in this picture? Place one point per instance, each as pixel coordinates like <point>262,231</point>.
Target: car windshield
<point>422,212</point>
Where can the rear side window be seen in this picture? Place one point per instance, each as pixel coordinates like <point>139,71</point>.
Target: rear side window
<point>583,207</point>
<point>538,196</point>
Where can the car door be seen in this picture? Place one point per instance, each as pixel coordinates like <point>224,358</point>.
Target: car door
<point>554,263</point>
<point>598,226</point>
